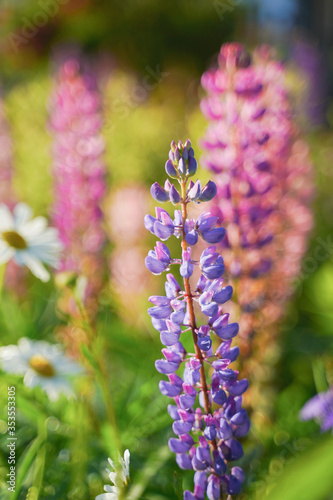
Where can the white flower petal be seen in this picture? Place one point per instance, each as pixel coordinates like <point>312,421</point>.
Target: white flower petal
<point>111,489</point>
<point>32,379</point>
<point>54,387</point>
<point>43,243</point>
<point>113,477</point>
<point>107,496</point>
<point>33,228</point>
<point>66,366</point>
<point>127,457</point>
<point>22,214</point>
<point>44,254</point>
<point>50,351</point>
<point>12,360</point>
<point>35,266</point>
<point>6,253</point>
<point>27,347</point>
<point>6,218</point>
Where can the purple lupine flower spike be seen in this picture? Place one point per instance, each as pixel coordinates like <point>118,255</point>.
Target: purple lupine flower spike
<point>214,444</point>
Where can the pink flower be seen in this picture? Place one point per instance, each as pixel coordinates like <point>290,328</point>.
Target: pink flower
<point>79,170</point>
<point>263,176</point>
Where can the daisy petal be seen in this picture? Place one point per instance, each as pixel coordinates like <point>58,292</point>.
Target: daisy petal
<point>54,387</point>
<point>6,253</point>
<point>6,218</point>
<point>32,379</point>
<point>33,228</point>
<point>35,266</point>
<point>12,361</point>
<point>107,496</point>
<point>22,214</point>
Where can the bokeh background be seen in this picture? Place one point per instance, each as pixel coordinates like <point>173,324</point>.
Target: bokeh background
<point>149,56</point>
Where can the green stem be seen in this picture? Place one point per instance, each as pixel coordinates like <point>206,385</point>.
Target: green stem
<point>25,463</point>
<point>40,459</point>
<point>98,366</point>
<point>79,446</point>
<point>2,277</point>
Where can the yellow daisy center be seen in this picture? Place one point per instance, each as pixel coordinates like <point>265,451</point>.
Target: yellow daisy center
<point>41,365</point>
<point>14,240</point>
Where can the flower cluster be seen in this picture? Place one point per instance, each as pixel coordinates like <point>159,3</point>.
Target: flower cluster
<point>208,418</point>
<point>263,178</point>
<point>78,170</point>
<point>119,477</point>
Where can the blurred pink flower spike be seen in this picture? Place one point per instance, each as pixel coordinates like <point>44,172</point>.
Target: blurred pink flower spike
<point>262,172</point>
<point>79,170</point>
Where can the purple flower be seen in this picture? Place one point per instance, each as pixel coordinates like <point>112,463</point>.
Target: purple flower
<point>173,315</point>
<point>161,226</point>
<point>206,227</point>
<point>208,192</point>
<point>211,263</point>
<point>194,191</point>
<point>174,195</point>
<point>159,260</point>
<point>186,268</point>
<point>320,407</point>
<point>158,193</point>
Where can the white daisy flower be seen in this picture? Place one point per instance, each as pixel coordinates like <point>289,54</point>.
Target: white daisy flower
<point>29,242</point>
<point>42,364</point>
<point>118,477</point>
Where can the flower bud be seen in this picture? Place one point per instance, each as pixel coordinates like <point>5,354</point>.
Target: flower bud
<point>170,170</point>
<point>208,192</point>
<point>174,195</point>
<point>158,193</point>
<point>192,166</point>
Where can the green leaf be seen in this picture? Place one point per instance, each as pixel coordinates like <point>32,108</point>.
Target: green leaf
<point>309,477</point>
<point>178,479</point>
<point>319,375</point>
<point>89,357</point>
<point>40,460</point>
<point>153,464</point>
<point>25,463</point>
<point>2,276</point>
<point>31,409</point>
